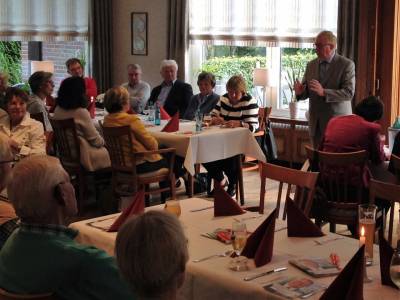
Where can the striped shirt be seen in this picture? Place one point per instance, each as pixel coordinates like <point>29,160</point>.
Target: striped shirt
<point>246,110</point>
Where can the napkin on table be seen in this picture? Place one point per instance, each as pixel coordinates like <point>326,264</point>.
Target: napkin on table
<point>135,208</point>
<point>350,282</point>
<point>298,224</point>
<point>385,256</point>
<point>173,124</point>
<point>260,243</point>
<point>163,114</point>
<point>224,205</point>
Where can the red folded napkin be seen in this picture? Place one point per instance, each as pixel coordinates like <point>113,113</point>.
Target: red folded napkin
<point>224,205</point>
<point>350,282</point>
<point>163,114</point>
<point>385,256</point>
<point>135,208</point>
<point>260,243</point>
<point>173,124</point>
<point>92,108</point>
<point>298,224</point>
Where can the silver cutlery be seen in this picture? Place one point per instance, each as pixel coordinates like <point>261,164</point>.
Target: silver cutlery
<point>223,254</point>
<point>323,242</point>
<point>307,295</point>
<point>264,273</point>
<point>200,209</point>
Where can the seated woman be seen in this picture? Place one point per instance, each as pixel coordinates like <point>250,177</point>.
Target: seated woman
<point>42,86</point>
<point>206,99</point>
<point>72,103</point>
<point>26,135</point>
<point>116,102</point>
<point>149,274</point>
<point>8,218</point>
<point>234,109</point>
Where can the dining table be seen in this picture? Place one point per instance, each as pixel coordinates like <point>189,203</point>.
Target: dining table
<point>213,279</point>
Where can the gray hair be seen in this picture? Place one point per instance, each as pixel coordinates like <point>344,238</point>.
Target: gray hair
<point>37,79</point>
<point>151,251</point>
<point>329,36</point>
<point>115,98</point>
<point>134,67</point>
<point>168,63</point>
<point>32,187</point>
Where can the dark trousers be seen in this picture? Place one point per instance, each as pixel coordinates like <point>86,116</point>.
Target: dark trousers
<point>229,166</point>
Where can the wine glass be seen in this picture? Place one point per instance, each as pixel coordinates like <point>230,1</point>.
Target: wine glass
<point>239,238</point>
<point>395,266</point>
<point>173,207</point>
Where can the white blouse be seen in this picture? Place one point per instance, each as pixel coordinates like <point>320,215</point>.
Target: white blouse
<point>29,135</point>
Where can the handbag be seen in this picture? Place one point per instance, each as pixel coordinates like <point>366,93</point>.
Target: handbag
<point>267,143</point>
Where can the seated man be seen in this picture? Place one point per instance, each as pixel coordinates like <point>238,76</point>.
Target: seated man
<point>206,99</point>
<point>173,94</point>
<point>41,256</point>
<point>8,219</point>
<point>151,275</point>
<point>139,91</point>
<point>75,69</point>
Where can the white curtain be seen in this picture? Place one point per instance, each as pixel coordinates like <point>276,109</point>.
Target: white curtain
<point>289,23</point>
<point>44,20</point>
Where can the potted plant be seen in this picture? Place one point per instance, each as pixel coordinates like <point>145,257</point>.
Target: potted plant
<point>293,68</point>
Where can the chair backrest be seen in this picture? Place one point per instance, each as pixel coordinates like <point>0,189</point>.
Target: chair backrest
<point>303,181</point>
<point>4,295</point>
<point>39,117</point>
<point>386,191</point>
<point>66,142</point>
<point>341,176</point>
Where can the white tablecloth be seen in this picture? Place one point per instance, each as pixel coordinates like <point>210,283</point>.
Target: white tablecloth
<point>212,279</point>
<point>211,144</point>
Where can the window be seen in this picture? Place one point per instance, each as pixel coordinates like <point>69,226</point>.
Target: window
<point>234,36</point>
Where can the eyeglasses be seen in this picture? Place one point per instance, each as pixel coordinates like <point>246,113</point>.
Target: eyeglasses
<point>320,46</point>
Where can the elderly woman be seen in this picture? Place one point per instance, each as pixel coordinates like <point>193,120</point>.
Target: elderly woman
<point>42,86</point>
<point>26,135</point>
<point>44,200</point>
<point>3,88</point>
<point>72,103</point>
<point>116,102</point>
<point>206,99</point>
<point>234,109</point>
<point>8,219</point>
<point>151,275</point>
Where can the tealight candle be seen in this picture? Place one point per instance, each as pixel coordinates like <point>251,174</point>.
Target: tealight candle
<point>362,236</point>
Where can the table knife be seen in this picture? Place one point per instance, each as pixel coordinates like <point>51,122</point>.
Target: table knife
<point>264,273</point>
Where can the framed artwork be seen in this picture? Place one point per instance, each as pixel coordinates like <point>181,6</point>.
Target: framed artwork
<point>139,33</point>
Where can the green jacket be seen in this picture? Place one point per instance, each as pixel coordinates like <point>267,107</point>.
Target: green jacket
<point>40,259</point>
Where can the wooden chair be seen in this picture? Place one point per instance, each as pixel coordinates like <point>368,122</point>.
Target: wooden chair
<point>68,151</point>
<point>341,181</point>
<point>303,181</point>
<point>4,295</point>
<point>125,179</point>
<point>389,192</point>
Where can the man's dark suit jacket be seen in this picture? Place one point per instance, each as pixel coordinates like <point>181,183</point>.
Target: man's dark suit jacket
<point>178,97</point>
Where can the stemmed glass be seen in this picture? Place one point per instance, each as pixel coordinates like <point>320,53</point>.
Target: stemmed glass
<point>239,238</point>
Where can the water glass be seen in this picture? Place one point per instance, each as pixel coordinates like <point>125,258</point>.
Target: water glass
<point>366,220</point>
<point>151,115</point>
<point>395,266</point>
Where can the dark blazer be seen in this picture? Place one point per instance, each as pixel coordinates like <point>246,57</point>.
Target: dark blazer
<point>205,107</point>
<point>178,97</point>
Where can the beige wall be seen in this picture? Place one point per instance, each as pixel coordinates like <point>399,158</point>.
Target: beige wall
<point>157,38</point>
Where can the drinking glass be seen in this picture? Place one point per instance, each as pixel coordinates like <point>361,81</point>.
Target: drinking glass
<point>207,119</point>
<point>173,207</point>
<point>366,220</point>
<point>151,114</point>
<point>395,266</point>
<point>239,238</point>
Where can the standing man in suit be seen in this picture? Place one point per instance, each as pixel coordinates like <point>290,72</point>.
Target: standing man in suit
<point>173,94</point>
<point>329,83</point>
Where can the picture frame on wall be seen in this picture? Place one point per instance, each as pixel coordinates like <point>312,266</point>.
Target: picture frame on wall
<point>139,33</point>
